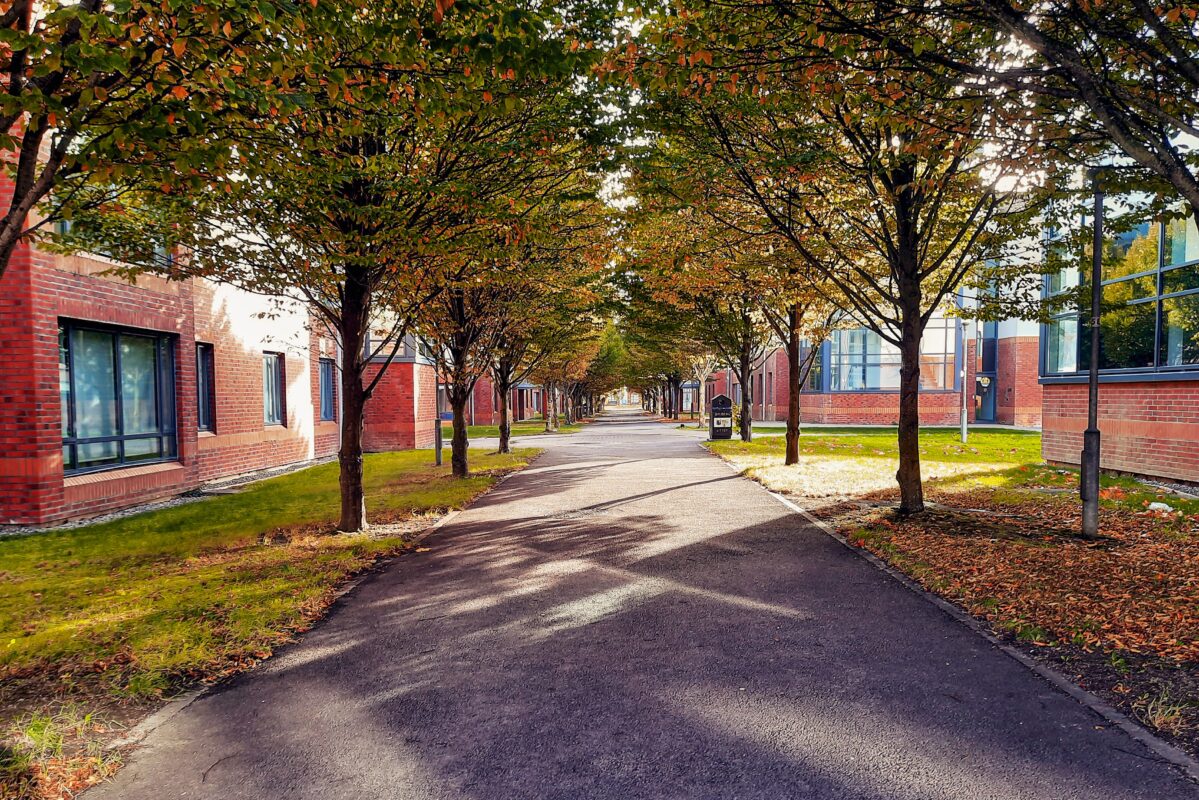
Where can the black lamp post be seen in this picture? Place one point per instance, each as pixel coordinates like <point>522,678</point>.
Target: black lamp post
<point>1090,437</point>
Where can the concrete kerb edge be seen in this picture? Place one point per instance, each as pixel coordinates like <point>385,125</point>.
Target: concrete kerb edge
<point>141,730</point>
<point>1164,750</point>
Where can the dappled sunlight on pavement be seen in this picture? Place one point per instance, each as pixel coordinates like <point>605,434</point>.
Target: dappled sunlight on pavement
<point>627,619</point>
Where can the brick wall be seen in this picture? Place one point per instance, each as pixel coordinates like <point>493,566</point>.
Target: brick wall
<point>877,408</point>
<point>1018,390</point>
<point>30,437</point>
<point>41,288</point>
<point>483,407</point>
<point>241,442</point>
<point>1148,428</point>
<point>402,412</point>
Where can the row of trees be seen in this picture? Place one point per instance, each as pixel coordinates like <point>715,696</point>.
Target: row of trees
<point>418,167</point>
<point>873,163</point>
<point>425,170</point>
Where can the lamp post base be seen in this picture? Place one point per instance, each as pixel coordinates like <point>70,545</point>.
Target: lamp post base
<point>1090,483</point>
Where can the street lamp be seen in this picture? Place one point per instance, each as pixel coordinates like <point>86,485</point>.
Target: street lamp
<point>1090,437</point>
<point>968,334</point>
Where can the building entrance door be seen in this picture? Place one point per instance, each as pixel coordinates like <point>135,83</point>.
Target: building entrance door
<point>984,398</point>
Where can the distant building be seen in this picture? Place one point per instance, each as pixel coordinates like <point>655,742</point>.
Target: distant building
<point>855,378</point>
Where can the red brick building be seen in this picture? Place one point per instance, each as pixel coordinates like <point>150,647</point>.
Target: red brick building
<point>1149,355</point>
<point>484,407</point>
<point>115,393</point>
<point>855,378</point>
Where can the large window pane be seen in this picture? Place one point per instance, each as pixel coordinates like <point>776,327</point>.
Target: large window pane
<point>143,449</point>
<point>1061,346</point>
<point>139,384</point>
<point>1182,241</point>
<point>93,362</point>
<point>935,373</point>
<point>118,384</point>
<point>1183,279</point>
<point>96,454</point>
<point>882,376</point>
<point>1180,330</point>
<point>1130,250</point>
<point>205,388</point>
<point>1126,291</point>
<point>327,390</point>
<point>1126,336</point>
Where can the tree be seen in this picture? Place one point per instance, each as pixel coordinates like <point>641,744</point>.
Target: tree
<point>104,97</point>
<point>418,138</point>
<point>1133,67</point>
<point>875,175</point>
<point>703,278</point>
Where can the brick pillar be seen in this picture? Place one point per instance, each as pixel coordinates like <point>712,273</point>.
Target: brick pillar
<point>31,480</point>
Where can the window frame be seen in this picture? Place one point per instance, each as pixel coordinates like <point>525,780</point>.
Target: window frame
<point>165,372</point>
<point>280,404</point>
<point>328,364</point>
<point>1159,370</point>
<point>834,362</point>
<point>205,387</point>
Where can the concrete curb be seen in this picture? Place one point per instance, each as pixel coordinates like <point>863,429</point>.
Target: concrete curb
<point>174,707</point>
<point>1159,747</point>
<point>156,720</point>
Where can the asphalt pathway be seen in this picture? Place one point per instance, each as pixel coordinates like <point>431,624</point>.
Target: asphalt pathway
<point>628,619</point>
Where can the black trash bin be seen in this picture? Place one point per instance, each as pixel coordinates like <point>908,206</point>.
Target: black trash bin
<point>720,421</point>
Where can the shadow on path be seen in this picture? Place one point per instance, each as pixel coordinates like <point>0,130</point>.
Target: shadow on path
<point>626,620</point>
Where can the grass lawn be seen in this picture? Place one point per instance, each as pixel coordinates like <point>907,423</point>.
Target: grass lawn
<point>837,430</point>
<point>98,622</point>
<point>523,428</point>
<point>1000,539</point>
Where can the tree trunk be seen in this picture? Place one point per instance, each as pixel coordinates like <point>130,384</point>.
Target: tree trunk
<point>793,384</point>
<point>459,444</point>
<point>911,488</point>
<point>355,312</point>
<point>555,406</point>
<point>547,399</point>
<point>349,457</point>
<point>505,422</point>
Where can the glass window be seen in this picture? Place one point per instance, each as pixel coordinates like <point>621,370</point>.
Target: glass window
<point>205,388</point>
<point>1149,288</point>
<point>1063,259</point>
<point>1130,249</point>
<point>815,373</point>
<point>327,389</point>
<point>117,393</point>
<point>1061,345</point>
<point>272,388</point>
<point>1180,330</point>
<point>938,348</point>
<point>1182,242</point>
<point>987,347</point>
<point>860,360</point>
<point>1183,279</point>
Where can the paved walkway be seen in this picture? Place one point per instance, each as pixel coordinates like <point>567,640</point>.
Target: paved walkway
<point>627,619</point>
